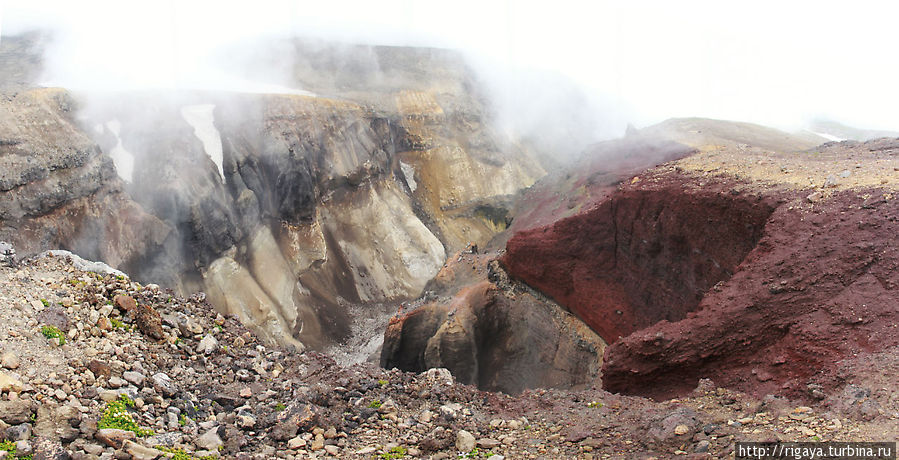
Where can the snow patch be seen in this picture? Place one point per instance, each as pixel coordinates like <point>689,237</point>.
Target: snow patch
<point>409,174</point>
<point>202,119</point>
<point>123,159</point>
<point>829,137</point>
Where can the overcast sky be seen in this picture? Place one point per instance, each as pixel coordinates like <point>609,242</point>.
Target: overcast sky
<point>775,62</point>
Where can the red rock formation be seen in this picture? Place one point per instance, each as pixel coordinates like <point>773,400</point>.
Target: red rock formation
<point>644,255</point>
<point>757,283</point>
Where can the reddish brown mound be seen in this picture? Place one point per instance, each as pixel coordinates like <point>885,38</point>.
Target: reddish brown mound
<point>646,254</point>
<point>820,286</point>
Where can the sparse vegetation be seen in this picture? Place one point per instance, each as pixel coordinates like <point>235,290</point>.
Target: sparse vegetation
<point>375,404</point>
<point>177,454</point>
<point>45,302</point>
<point>117,416</point>
<point>383,382</point>
<point>51,332</point>
<point>476,453</point>
<point>119,324</point>
<point>10,448</point>
<point>394,453</point>
<point>280,407</point>
<point>180,454</point>
<point>593,404</point>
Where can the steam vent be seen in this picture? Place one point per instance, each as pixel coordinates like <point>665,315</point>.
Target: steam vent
<point>222,243</point>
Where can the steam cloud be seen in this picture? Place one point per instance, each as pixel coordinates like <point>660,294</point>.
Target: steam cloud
<point>588,68</point>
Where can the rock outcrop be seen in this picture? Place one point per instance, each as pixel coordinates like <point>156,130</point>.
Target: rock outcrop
<point>284,208</point>
<point>492,333</point>
<point>819,288</point>
<point>60,191</point>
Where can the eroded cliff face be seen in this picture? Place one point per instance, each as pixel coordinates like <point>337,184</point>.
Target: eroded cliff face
<point>60,191</point>
<point>285,209</point>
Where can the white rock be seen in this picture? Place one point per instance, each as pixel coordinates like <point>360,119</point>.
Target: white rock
<point>210,440</point>
<point>465,441</point>
<point>9,360</point>
<point>9,383</point>
<point>208,344</point>
<point>298,442</point>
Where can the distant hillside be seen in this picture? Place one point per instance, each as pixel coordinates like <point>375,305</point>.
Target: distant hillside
<point>848,132</point>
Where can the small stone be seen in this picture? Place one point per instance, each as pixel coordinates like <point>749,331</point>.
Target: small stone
<point>9,360</point>
<point>488,443</point>
<point>701,447</point>
<point>208,344</point>
<point>114,438</point>
<point>318,443</point>
<point>109,395</point>
<point>164,384</point>
<point>18,432</point>
<point>299,442</point>
<point>135,378</point>
<point>99,368</point>
<point>246,392</point>
<point>139,452</point>
<point>116,382</point>
<point>465,441</point>
<point>367,450</point>
<point>210,440</point>
<point>125,303</point>
<point>332,450</point>
<point>104,324</point>
<point>23,449</point>
<point>681,430</point>
<point>9,383</point>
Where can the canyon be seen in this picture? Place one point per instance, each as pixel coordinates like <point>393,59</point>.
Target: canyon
<point>372,210</point>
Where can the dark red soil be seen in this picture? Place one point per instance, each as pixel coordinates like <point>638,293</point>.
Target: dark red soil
<point>695,277</point>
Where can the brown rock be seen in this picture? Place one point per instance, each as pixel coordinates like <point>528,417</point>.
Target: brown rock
<point>104,324</point>
<point>114,438</point>
<point>293,419</point>
<point>16,411</point>
<point>125,303</point>
<point>139,452</point>
<point>99,368</point>
<point>145,317</point>
<point>149,322</point>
